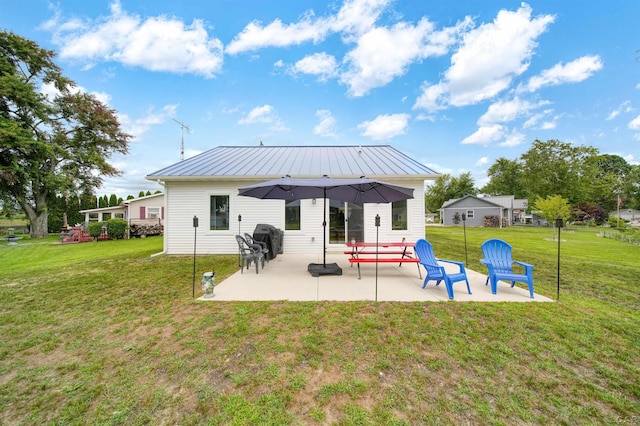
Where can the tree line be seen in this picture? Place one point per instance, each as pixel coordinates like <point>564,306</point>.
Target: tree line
<point>593,184</point>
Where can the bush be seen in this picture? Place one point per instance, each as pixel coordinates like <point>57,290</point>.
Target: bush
<point>95,229</point>
<point>116,228</point>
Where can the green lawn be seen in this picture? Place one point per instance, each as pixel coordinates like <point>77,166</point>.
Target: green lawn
<point>102,333</point>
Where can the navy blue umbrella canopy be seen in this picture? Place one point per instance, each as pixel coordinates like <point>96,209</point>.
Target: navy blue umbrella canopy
<point>358,191</point>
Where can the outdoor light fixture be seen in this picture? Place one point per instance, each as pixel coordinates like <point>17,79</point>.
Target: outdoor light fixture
<point>559,226</point>
<point>313,201</point>
<point>464,228</point>
<point>239,250</point>
<point>377,229</point>
<point>195,232</point>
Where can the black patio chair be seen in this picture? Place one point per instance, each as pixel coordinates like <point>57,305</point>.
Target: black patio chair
<point>263,246</point>
<point>249,253</point>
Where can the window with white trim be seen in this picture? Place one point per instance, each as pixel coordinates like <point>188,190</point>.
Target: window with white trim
<point>399,215</point>
<point>292,215</point>
<point>469,214</point>
<point>219,213</point>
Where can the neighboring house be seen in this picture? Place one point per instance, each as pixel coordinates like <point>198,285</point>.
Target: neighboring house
<point>509,209</point>
<point>148,211</point>
<point>206,186</point>
<point>631,215</point>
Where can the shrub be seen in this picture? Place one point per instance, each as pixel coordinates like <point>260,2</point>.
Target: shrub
<point>95,229</point>
<point>116,228</point>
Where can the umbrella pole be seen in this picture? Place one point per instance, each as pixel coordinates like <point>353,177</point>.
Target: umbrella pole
<point>324,231</point>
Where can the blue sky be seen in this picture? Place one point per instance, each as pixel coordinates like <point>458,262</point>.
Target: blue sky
<point>455,85</point>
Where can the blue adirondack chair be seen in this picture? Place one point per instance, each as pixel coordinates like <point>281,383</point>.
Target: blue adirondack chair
<point>436,272</point>
<point>497,257</point>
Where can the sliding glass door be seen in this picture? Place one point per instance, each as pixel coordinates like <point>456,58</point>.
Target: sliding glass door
<point>345,222</point>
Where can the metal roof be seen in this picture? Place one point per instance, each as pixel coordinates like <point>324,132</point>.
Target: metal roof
<point>295,161</point>
<point>505,201</point>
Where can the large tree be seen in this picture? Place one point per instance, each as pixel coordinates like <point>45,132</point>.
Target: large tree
<point>611,178</point>
<point>557,168</point>
<point>49,143</point>
<point>505,179</point>
<point>447,187</point>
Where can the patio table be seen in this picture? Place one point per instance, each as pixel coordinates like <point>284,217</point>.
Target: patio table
<point>402,252</point>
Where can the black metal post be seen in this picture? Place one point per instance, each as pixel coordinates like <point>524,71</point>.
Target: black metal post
<point>464,227</point>
<point>559,226</point>
<point>377,229</point>
<point>195,233</point>
<point>239,253</point>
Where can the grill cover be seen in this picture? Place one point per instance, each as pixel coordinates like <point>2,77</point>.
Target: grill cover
<point>270,235</point>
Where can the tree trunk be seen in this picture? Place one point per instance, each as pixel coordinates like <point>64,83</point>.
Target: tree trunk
<point>39,227</point>
<point>38,217</point>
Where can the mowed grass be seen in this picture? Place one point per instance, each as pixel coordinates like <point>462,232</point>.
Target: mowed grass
<point>102,333</point>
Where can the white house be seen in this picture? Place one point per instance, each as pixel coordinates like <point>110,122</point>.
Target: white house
<point>147,210</point>
<point>507,208</point>
<point>206,187</point>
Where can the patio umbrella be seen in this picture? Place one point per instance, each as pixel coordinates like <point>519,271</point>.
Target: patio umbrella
<point>357,190</point>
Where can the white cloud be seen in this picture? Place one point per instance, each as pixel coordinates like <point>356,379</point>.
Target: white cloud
<point>513,139</point>
<point>383,53</point>
<point>255,36</point>
<point>426,117</point>
<point>385,126</point>
<point>50,91</point>
<point>549,125</point>
<point>261,114</point>
<point>320,64</point>
<point>265,114</point>
<point>624,107</point>
<point>631,160</point>
<point>635,123</point>
<point>488,60</point>
<point>573,72</point>
<point>103,97</point>
<point>535,118</point>
<point>485,135</point>
<point>506,111</point>
<point>139,126</point>
<point>481,162</point>
<point>156,43</point>
<point>327,125</point>
<point>353,18</point>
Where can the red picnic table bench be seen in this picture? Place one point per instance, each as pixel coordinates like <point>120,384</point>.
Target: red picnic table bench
<point>400,252</point>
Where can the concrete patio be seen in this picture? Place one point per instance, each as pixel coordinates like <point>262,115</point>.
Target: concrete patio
<point>286,278</point>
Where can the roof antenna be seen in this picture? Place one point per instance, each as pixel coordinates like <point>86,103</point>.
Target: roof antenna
<point>182,126</point>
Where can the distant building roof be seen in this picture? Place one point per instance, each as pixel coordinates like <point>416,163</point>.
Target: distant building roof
<point>483,200</point>
<point>297,161</point>
<point>506,201</point>
<point>146,197</point>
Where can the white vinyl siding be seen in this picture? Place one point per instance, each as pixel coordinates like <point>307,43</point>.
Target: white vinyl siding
<point>191,198</point>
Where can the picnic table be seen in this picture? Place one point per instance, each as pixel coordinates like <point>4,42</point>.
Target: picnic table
<point>392,252</point>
